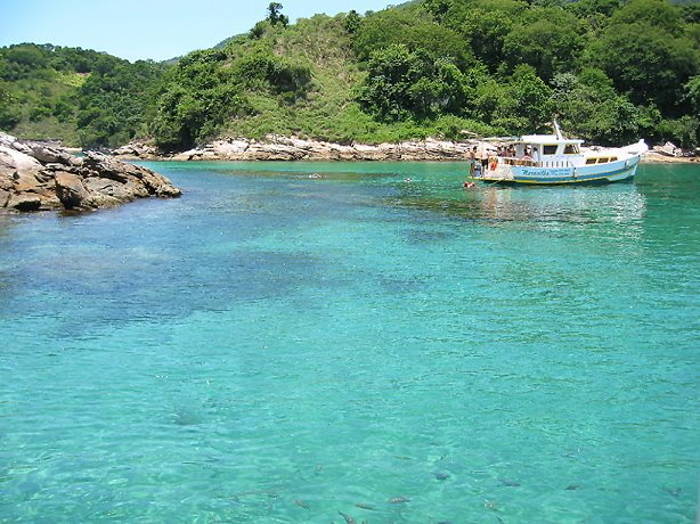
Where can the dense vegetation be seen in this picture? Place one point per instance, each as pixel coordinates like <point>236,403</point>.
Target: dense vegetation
<point>612,70</point>
<point>76,95</point>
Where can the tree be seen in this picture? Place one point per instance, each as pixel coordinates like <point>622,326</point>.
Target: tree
<point>684,131</point>
<point>352,22</point>
<point>692,90</point>
<point>402,84</point>
<point>659,14</point>
<point>526,106</point>
<point>548,39</point>
<point>412,28</point>
<point>485,24</point>
<point>591,8</point>
<point>9,115</point>
<point>274,16</point>
<point>646,62</point>
<point>691,13</point>
<point>589,107</point>
<point>437,8</point>
<point>258,30</point>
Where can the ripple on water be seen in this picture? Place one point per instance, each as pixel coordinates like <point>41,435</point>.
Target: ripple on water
<point>274,347</point>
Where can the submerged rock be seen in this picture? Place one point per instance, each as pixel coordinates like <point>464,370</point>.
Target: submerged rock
<point>36,177</point>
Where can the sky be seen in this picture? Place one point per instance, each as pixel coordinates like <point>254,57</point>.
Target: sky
<point>143,29</point>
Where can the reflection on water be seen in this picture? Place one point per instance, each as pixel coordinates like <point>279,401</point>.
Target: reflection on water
<point>621,203</point>
<point>375,344</point>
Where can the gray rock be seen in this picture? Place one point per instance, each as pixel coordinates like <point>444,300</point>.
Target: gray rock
<point>35,176</point>
<point>70,190</point>
<point>24,202</point>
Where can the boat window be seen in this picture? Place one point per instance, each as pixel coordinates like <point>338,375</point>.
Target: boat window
<point>590,161</point>
<point>549,149</point>
<point>603,160</point>
<point>613,159</point>
<point>571,149</point>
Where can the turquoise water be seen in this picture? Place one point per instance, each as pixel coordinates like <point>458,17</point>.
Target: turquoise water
<point>278,348</point>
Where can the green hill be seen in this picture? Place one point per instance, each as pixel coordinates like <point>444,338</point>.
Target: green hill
<point>612,71</point>
<point>79,96</point>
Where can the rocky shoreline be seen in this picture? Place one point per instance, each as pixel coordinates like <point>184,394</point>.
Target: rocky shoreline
<point>276,147</point>
<point>280,148</point>
<point>36,177</point>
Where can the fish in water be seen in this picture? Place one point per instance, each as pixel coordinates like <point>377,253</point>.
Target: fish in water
<point>572,487</point>
<point>510,483</point>
<point>673,491</point>
<point>365,506</point>
<point>398,500</point>
<point>348,518</point>
<point>302,504</point>
<point>441,475</point>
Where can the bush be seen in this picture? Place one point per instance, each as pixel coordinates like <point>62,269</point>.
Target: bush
<point>683,132</point>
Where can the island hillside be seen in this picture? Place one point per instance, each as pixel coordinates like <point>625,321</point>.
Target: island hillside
<point>612,71</point>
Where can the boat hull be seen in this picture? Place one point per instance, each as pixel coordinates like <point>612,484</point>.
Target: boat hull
<point>604,173</point>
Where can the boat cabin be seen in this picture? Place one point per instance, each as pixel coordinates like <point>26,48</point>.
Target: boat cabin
<point>542,151</point>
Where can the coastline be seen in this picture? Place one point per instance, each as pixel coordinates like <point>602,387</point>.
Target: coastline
<point>36,177</point>
<point>286,149</point>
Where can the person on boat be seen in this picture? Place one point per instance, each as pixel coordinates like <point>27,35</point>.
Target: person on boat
<point>484,159</point>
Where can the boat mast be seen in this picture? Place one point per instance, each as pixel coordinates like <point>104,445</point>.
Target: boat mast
<point>557,131</point>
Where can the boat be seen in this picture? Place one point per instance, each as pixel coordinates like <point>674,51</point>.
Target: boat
<point>555,160</point>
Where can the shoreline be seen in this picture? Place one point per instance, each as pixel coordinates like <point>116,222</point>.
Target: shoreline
<point>285,149</point>
<point>36,177</point>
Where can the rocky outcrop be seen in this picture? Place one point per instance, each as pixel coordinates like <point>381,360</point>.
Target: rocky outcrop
<point>34,176</point>
<point>276,147</point>
<point>137,149</point>
<point>668,149</point>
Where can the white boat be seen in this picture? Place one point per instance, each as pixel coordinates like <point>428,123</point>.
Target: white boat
<point>553,159</point>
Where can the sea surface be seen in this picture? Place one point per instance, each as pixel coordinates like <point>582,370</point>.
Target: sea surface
<point>339,342</point>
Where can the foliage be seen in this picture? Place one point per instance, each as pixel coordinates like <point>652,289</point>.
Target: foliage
<point>402,83</point>
<point>656,13</point>
<point>612,70</point>
<point>645,62</point>
<point>484,25</point>
<point>526,106</point>
<point>207,88</point>
<point>51,91</point>
<point>113,103</point>
<point>549,39</point>
<point>412,28</point>
<point>590,107</point>
<point>684,131</point>
<point>352,22</point>
<point>274,16</point>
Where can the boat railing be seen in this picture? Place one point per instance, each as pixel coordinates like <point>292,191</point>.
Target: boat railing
<point>528,162</point>
<point>515,161</point>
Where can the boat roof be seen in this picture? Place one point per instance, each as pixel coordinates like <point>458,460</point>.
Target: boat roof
<point>548,139</point>
<point>533,139</point>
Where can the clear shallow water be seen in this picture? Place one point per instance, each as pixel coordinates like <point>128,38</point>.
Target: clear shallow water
<point>274,348</point>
